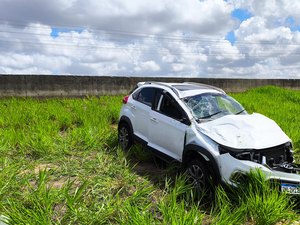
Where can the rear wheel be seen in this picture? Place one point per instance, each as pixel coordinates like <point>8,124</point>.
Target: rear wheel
<point>125,136</point>
<point>200,177</point>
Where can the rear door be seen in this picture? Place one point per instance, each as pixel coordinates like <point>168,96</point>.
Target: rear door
<point>167,126</point>
<point>140,109</point>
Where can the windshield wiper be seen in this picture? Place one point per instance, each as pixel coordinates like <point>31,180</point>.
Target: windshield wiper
<point>240,112</point>
<point>206,117</point>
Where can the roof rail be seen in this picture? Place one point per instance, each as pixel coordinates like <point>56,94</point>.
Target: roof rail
<point>206,85</point>
<point>163,84</point>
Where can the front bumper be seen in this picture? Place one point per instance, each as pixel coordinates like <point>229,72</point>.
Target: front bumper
<point>230,167</point>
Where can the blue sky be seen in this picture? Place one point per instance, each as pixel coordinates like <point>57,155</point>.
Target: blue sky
<point>291,22</point>
<point>209,38</point>
<point>241,15</point>
<point>55,31</point>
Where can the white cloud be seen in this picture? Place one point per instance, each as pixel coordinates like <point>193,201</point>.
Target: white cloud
<point>137,38</point>
<point>150,66</point>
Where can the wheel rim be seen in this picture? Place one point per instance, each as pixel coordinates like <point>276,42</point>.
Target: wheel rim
<point>197,177</point>
<point>123,137</point>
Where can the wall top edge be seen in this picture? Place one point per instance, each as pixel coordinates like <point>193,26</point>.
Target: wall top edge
<point>145,78</point>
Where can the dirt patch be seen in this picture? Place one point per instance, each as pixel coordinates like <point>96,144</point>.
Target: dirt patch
<point>57,183</point>
<point>114,126</point>
<point>59,211</point>
<point>52,181</point>
<point>206,220</point>
<point>39,167</point>
<point>44,167</point>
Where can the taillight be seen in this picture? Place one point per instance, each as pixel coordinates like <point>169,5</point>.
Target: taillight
<point>125,99</point>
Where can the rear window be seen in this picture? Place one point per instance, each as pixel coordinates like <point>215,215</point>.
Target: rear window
<point>145,95</point>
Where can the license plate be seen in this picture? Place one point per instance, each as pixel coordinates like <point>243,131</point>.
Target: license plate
<point>290,188</point>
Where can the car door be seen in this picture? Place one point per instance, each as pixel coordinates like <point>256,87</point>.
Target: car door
<point>167,126</point>
<point>140,109</point>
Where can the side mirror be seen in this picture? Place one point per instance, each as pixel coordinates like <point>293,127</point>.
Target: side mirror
<point>185,121</point>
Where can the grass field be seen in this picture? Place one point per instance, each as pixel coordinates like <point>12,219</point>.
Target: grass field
<point>60,164</point>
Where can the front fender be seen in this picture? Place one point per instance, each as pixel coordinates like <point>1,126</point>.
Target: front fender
<point>190,150</point>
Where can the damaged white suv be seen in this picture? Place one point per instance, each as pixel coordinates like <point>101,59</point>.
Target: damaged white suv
<point>208,132</point>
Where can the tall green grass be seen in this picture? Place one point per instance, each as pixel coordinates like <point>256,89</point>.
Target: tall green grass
<point>60,164</point>
<point>255,200</point>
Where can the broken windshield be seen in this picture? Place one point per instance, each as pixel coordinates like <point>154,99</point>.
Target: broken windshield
<point>211,106</point>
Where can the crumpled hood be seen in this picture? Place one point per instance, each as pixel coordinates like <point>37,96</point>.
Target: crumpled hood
<point>253,131</point>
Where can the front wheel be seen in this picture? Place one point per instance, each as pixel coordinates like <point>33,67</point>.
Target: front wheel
<point>125,136</point>
<point>200,177</point>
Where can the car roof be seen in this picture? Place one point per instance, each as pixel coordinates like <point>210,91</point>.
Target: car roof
<point>187,88</point>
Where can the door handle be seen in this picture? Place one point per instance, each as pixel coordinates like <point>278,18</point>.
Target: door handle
<point>153,119</point>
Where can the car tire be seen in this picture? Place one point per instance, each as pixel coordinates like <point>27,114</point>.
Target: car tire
<point>125,139</point>
<point>199,176</point>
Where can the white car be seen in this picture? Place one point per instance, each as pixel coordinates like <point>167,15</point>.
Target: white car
<point>208,132</point>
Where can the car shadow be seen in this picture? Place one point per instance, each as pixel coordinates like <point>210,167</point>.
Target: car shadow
<point>144,163</point>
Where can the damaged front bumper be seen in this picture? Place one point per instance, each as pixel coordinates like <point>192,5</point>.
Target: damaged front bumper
<point>285,174</point>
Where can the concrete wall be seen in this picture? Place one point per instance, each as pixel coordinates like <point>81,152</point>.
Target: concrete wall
<point>77,86</point>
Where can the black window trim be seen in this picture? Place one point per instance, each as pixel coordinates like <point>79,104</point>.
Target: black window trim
<point>164,93</point>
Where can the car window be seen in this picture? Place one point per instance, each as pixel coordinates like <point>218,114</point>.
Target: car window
<point>145,95</point>
<point>170,107</point>
<point>135,94</point>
